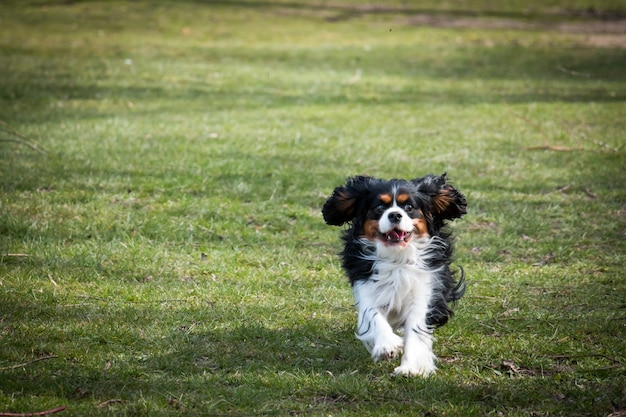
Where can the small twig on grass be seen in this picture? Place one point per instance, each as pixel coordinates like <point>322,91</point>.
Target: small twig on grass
<point>529,122</point>
<point>36,413</point>
<point>16,255</point>
<point>546,146</point>
<point>563,188</point>
<point>52,280</point>
<point>572,72</point>
<point>21,139</point>
<point>483,297</point>
<point>110,402</point>
<point>590,194</point>
<point>21,365</point>
<point>23,142</point>
<point>512,369</point>
<point>554,148</point>
<point>165,300</point>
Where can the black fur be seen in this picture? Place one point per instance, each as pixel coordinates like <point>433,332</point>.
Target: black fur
<point>439,202</point>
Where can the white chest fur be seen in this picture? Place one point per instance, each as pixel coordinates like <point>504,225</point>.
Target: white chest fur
<point>399,288</point>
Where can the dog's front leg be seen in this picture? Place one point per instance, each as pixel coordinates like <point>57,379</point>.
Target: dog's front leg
<point>418,358</point>
<point>373,329</point>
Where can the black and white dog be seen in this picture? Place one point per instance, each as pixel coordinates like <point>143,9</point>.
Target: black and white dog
<point>397,256</point>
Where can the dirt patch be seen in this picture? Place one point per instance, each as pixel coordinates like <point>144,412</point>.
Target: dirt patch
<point>600,33</point>
<point>597,33</point>
<point>605,28</point>
<point>614,27</point>
<point>595,27</point>
<point>606,41</point>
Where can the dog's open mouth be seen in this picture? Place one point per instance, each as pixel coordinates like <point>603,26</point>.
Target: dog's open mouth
<point>396,236</point>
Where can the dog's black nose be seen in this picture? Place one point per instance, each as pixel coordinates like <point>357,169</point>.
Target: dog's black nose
<point>394,217</point>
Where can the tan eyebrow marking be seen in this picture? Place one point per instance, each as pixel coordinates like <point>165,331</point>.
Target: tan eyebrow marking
<point>402,198</point>
<point>385,198</point>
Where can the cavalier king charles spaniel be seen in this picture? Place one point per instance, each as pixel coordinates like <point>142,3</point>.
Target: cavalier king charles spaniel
<point>397,255</point>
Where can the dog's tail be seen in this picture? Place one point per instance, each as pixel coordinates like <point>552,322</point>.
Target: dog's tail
<point>458,291</point>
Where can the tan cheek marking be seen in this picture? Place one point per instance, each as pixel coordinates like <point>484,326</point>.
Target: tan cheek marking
<point>386,198</point>
<point>370,229</point>
<point>402,198</point>
<point>421,227</point>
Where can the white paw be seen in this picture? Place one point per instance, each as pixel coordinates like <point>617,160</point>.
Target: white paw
<point>389,349</point>
<point>417,370</point>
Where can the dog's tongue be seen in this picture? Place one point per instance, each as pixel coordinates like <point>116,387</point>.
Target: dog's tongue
<point>396,235</point>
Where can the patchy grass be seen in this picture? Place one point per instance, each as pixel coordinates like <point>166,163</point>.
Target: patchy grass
<point>167,254</point>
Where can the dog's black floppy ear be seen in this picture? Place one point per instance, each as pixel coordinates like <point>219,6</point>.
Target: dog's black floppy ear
<point>343,205</point>
<point>447,202</point>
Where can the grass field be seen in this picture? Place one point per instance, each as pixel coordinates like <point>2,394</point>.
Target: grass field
<point>163,166</point>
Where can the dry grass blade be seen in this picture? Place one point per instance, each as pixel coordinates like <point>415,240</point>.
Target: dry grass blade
<point>19,138</point>
<point>36,413</point>
<point>21,365</point>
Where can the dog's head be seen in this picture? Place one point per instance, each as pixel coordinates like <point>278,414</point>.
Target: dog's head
<point>395,211</point>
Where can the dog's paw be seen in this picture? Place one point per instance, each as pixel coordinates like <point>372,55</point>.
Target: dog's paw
<point>423,370</point>
<point>390,349</point>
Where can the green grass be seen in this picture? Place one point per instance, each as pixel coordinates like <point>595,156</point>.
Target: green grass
<point>174,260</point>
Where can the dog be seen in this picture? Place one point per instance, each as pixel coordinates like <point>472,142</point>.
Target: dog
<point>397,255</point>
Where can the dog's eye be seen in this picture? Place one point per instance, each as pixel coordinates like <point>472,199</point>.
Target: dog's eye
<point>379,208</point>
<point>409,208</point>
